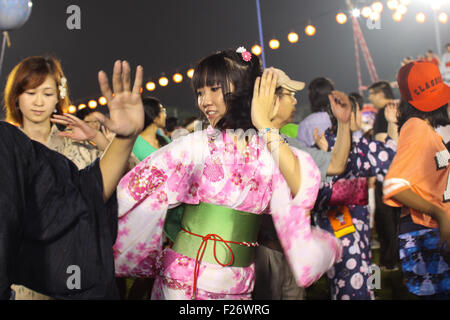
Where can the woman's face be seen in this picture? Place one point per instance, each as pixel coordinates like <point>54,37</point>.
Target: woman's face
<point>211,103</point>
<point>37,104</point>
<point>92,121</point>
<point>160,120</point>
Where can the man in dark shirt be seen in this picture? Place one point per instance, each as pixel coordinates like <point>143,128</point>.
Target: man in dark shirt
<point>386,217</point>
<point>380,95</point>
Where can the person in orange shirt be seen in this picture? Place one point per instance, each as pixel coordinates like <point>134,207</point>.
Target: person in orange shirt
<point>418,180</point>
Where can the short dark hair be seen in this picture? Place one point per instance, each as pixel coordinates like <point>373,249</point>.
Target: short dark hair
<point>171,124</point>
<point>152,108</point>
<point>187,121</point>
<point>226,68</point>
<point>359,99</point>
<point>406,111</point>
<point>83,113</point>
<point>318,91</point>
<point>384,87</point>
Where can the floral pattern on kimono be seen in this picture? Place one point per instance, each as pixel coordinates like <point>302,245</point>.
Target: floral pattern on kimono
<point>208,167</point>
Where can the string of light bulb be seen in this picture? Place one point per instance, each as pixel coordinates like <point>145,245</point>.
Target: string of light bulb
<point>372,12</point>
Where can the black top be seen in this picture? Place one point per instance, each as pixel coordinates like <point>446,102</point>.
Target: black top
<point>380,125</point>
<point>52,217</point>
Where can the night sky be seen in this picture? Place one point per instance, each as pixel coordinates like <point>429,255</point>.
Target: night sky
<point>166,36</point>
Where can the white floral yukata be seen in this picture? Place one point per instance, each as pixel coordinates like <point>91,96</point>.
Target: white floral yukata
<point>200,168</point>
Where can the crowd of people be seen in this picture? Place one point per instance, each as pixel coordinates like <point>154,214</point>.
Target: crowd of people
<point>443,62</point>
<point>237,203</point>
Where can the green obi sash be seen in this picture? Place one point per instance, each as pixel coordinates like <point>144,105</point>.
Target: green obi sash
<point>217,221</point>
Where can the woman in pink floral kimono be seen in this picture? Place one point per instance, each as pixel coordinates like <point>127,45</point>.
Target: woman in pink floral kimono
<point>226,179</point>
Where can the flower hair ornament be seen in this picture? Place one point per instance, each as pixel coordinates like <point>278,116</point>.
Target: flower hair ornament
<point>62,88</point>
<point>246,56</point>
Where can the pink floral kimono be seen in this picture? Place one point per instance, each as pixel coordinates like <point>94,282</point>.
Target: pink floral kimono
<point>202,168</point>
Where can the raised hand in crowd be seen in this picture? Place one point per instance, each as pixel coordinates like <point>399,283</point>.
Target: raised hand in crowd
<point>264,106</point>
<point>80,130</point>
<point>126,121</point>
<point>320,140</point>
<point>340,106</point>
<point>125,104</point>
<point>390,113</point>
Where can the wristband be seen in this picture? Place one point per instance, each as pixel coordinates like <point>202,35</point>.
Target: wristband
<point>267,130</point>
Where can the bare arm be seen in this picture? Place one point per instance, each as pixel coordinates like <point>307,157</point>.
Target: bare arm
<point>390,113</point>
<point>80,130</point>
<point>320,140</point>
<point>100,141</point>
<point>341,107</point>
<point>264,107</point>
<point>381,136</point>
<point>126,121</point>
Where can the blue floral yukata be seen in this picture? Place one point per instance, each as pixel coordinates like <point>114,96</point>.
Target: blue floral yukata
<point>349,278</point>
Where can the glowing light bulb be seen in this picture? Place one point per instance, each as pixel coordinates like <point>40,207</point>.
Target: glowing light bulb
<point>72,109</point>
<point>293,37</point>
<point>163,81</point>
<point>366,11</point>
<point>377,7</point>
<point>420,17</point>
<point>190,73</point>
<point>402,9</point>
<point>310,30</point>
<point>256,50</point>
<point>443,17</point>
<point>435,4</point>
<point>356,12</point>
<point>150,86</point>
<point>397,16</point>
<point>81,106</point>
<point>392,4</point>
<point>92,104</point>
<point>274,44</point>
<point>177,78</point>
<point>341,18</point>
<point>102,101</point>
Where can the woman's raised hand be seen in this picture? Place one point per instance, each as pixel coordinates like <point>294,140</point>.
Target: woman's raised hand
<point>390,111</point>
<point>79,130</point>
<point>264,107</point>
<point>126,111</point>
<point>340,106</point>
<point>320,140</point>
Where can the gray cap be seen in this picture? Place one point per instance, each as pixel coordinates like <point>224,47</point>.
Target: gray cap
<point>286,82</point>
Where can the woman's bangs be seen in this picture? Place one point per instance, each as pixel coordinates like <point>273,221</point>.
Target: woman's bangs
<point>209,73</point>
<point>33,81</point>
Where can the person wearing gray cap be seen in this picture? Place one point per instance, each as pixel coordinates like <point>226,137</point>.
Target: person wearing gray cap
<point>274,279</point>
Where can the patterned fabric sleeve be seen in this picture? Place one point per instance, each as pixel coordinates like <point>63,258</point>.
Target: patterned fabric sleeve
<point>144,194</point>
<point>367,158</point>
<point>380,156</point>
<point>309,251</point>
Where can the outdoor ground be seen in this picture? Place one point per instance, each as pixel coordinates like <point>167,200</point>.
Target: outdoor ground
<point>392,287</point>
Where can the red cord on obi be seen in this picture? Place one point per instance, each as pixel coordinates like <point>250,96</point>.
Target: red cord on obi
<point>201,252</point>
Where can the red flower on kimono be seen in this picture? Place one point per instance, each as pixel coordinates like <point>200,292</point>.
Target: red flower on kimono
<point>144,181</point>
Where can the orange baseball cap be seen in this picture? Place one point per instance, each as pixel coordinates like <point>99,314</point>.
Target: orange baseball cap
<point>421,84</point>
